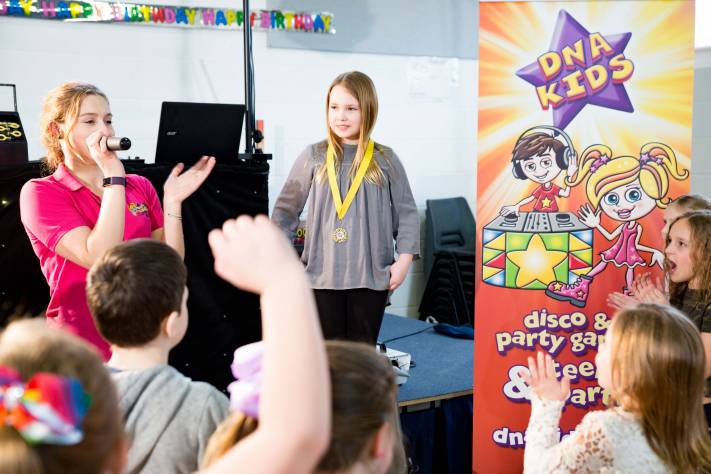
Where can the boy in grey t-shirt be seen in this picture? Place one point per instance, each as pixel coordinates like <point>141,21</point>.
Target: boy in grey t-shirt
<point>137,296</point>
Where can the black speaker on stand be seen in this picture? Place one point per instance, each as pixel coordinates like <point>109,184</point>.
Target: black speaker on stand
<point>13,143</point>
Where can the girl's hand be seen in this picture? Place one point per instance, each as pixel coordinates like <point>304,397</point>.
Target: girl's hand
<point>398,271</point>
<point>543,381</point>
<point>620,301</point>
<point>648,292</point>
<point>589,217</point>
<point>178,187</point>
<point>105,159</point>
<point>658,258</point>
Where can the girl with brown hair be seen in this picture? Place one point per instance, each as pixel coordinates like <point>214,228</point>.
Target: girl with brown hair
<point>90,442</point>
<point>360,202</point>
<point>365,433</point>
<point>652,361</point>
<point>88,204</point>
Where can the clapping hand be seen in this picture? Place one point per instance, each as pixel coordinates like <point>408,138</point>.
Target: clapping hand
<point>543,381</point>
<point>647,291</point>
<point>178,187</point>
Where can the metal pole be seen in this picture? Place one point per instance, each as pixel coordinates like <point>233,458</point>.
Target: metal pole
<point>249,113</point>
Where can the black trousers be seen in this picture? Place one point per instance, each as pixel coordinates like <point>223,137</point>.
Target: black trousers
<point>353,315</point>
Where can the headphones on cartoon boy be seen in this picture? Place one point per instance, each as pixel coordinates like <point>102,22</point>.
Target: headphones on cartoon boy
<point>562,160</point>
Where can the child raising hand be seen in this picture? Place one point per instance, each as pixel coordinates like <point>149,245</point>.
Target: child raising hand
<point>254,254</point>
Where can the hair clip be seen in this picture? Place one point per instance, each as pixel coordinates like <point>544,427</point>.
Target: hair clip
<point>599,161</point>
<point>646,158</point>
<point>48,408</point>
<point>247,370</point>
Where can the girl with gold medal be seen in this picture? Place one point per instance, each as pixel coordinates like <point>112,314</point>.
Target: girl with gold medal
<point>361,211</point>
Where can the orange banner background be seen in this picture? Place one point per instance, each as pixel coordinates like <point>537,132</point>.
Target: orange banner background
<point>514,35</point>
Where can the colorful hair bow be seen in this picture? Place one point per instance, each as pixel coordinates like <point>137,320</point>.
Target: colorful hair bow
<point>599,161</point>
<point>247,370</point>
<point>48,408</point>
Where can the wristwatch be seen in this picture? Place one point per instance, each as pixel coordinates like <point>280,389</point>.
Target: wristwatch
<point>120,180</point>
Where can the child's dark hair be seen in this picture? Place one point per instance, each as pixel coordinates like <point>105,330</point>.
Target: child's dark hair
<point>534,144</point>
<point>29,347</point>
<point>700,229</point>
<point>133,288</point>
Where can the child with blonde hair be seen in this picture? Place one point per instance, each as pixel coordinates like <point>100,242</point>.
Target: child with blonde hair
<point>360,202</point>
<point>58,406</point>
<point>652,362</point>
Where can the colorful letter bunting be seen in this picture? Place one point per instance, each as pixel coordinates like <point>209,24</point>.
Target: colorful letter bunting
<point>166,15</point>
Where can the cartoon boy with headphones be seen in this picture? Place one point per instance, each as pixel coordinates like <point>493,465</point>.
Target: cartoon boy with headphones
<point>540,155</point>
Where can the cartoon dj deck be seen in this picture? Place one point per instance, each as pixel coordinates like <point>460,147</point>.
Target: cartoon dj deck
<point>532,249</point>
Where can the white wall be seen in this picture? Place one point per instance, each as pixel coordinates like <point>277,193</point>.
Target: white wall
<point>139,67</point>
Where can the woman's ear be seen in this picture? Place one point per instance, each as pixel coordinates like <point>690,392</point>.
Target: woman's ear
<point>55,130</point>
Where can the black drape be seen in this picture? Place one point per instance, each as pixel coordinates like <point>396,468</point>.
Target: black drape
<point>222,318</point>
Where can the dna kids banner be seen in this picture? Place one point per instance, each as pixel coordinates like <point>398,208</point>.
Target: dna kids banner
<point>584,136</point>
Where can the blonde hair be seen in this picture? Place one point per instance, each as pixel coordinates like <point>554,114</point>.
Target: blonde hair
<point>700,245</point>
<point>658,364</point>
<point>62,105</point>
<point>361,87</point>
<point>29,346</point>
<point>363,393</point>
<point>657,162</point>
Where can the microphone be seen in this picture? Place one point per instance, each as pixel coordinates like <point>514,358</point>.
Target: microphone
<point>118,143</point>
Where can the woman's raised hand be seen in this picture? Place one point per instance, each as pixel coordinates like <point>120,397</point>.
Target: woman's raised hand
<point>178,187</point>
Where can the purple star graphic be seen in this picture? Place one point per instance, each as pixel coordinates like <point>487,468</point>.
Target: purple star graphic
<point>612,96</point>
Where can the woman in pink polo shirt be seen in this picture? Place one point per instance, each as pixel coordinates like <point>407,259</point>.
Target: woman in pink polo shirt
<point>89,204</point>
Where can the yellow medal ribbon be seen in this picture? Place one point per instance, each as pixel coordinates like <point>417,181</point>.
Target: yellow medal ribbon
<point>342,207</point>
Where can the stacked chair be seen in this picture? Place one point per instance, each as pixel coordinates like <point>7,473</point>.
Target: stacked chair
<point>448,259</point>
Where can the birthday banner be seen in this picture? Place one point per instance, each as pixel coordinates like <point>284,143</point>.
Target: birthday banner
<point>164,15</point>
<point>584,136</point>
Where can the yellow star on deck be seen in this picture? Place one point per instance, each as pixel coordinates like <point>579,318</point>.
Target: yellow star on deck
<point>545,203</point>
<point>536,262</point>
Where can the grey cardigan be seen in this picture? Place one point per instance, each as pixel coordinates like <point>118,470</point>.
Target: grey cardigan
<point>378,216</point>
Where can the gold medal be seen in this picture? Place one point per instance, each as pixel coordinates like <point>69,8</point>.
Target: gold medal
<point>339,235</point>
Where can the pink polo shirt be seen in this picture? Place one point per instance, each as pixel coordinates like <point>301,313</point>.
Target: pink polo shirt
<point>52,206</point>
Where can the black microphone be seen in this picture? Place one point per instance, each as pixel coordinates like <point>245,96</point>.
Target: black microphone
<point>118,143</point>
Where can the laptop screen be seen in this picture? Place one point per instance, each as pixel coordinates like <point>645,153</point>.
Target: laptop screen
<point>189,130</point>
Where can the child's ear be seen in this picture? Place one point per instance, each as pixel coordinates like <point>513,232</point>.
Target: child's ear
<point>171,324</point>
<point>382,446</point>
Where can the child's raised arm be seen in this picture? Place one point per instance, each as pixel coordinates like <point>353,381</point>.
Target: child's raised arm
<point>295,405</point>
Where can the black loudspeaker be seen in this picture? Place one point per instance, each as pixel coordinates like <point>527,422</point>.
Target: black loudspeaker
<point>13,143</point>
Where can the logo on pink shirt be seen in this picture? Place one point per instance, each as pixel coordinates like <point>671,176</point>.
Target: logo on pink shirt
<point>138,209</point>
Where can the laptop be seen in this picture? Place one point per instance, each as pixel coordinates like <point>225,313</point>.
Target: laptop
<point>189,130</point>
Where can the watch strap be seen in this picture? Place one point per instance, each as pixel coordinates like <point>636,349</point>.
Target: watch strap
<point>120,180</point>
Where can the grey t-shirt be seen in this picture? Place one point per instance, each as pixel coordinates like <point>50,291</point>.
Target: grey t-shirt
<point>169,418</point>
<point>378,216</point>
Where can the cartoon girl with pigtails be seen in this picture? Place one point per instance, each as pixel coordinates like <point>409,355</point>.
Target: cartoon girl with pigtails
<point>626,189</point>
